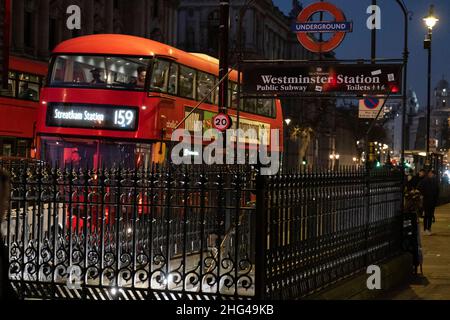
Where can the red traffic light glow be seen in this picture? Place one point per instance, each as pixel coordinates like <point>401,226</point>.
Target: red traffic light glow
<point>394,89</point>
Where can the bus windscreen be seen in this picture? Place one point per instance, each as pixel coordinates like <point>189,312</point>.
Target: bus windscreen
<point>102,72</point>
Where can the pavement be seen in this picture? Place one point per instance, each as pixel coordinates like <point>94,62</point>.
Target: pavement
<point>434,283</point>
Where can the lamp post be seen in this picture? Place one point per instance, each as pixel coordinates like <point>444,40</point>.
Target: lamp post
<point>5,38</point>
<point>288,122</point>
<point>430,22</point>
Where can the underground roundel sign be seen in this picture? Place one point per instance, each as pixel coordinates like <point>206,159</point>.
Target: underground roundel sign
<point>304,27</point>
<point>222,122</point>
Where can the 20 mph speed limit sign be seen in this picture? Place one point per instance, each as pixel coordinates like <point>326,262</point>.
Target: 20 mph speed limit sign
<point>222,122</point>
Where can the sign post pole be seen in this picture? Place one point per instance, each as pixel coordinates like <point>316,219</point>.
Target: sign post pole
<point>5,43</point>
<point>373,39</point>
<point>223,54</point>
<point>224,29</point>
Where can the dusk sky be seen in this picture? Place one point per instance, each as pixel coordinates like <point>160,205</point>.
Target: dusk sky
<point>390,37</point>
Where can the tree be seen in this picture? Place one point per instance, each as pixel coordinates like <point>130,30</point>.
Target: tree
<point>316,117</point>
<point>303,136</point>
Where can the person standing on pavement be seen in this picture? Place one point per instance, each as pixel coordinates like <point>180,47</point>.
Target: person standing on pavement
<point>412,190</point>
<point>6,290</point>
<point>414,182</point>
<point>429,188</point>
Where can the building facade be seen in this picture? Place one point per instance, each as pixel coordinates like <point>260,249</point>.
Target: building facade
<point>39,25</point>
<point>266,31</point>
<point>439,126</point>
<point>440,117</point>
<point>439,122</point>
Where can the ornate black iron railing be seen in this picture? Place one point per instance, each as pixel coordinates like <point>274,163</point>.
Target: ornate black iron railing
<point>323,226</point>
<point>195,232</point>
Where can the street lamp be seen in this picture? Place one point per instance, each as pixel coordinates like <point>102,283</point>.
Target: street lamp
<point>430,22</point>
<point>286,154</point>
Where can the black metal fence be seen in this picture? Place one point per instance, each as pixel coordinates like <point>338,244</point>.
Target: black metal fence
<point>320,227</point>
<point>196,232</point>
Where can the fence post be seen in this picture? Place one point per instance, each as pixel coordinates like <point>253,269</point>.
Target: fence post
<point>367,173</point>
<point>260,237</point>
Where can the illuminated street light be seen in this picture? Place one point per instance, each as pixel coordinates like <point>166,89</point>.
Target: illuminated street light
<point>431,20</point>
<point>334,160</point>
<point>288,121</point>
<point>334,156</point>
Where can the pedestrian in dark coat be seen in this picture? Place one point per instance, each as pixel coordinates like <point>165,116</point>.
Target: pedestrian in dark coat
<point>414,182</point>
<point>429,188</point>
<point>412,188</point>
<point>6,290</point>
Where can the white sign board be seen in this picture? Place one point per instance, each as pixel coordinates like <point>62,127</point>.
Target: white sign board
<point>369,108</point>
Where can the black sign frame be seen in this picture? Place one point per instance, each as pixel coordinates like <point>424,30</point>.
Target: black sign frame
<point>253,72</point>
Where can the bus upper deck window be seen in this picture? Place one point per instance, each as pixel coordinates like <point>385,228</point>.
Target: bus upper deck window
<point>28,91</point>
<point>12,84</point>
<point>265,107</point>
<point>232,95</point>
<point>205,83</point>
<point>187,80</point>
<point>250,105</point>
<point>99,72</point>
<point>173,79</point>
<point>160,76</point>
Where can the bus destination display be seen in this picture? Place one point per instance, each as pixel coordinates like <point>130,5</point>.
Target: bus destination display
<point>92,116</point>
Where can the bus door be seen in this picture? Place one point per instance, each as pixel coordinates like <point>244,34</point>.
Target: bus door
<point>167,121</point>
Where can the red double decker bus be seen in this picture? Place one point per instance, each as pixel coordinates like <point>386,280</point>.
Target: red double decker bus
<point>19,107</point>
<point>114,100</point>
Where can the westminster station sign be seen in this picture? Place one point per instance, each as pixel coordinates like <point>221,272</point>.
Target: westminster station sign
<point>297,79</point>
